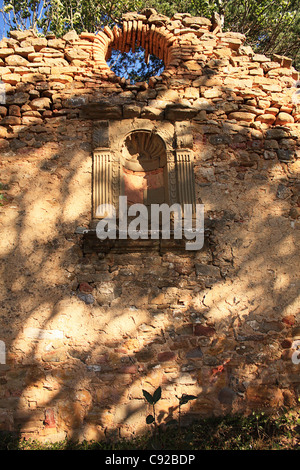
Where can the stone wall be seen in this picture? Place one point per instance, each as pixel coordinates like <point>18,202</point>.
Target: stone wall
<point>86,331</point>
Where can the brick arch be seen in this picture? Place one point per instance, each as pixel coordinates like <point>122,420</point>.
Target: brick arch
<point>156,40</point>
<point>145,146</point>
<point>144,174</point>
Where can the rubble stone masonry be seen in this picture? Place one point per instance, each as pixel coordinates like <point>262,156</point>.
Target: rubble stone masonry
<point>85,330</point>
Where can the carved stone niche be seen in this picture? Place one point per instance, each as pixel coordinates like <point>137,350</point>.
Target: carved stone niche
<point>140,160</point>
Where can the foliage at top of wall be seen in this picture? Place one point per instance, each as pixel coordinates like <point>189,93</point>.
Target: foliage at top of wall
<point>270,27</point>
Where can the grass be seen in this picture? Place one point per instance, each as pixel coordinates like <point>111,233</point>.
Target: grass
<point>258,431</point>
<point>1,195</point>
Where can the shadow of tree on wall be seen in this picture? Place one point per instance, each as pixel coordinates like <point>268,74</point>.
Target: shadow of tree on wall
<point>216,323</point>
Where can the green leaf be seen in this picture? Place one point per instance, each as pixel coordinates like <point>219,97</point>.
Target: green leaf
<point>157,395</point>
<point>149,419</point>
<point>148,397</point>
<point>186,398</point>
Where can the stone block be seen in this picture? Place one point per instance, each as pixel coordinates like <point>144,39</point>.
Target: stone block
<point>166,356</point>
<point>202,330</point>
<point>183,133</point>
<point>285,155</point>
<point>242,116</point>
<point>226,396</point>
<point>214,92</point>
<point>207,270</point>
<point>174,113</point>
<point>101,134</point>
<point>5,52</point>
<point>282,60</point>
<point>11,78</point>
<point>16,60</point>
<point>131,111</point>
<point>284,118</point>
<point>266,119</point>
<point>150,112</point>
<point>40,103</point>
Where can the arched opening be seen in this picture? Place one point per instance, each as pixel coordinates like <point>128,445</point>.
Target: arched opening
<point>144,169</point>
<point>136,41</point>
<point>135,66</point>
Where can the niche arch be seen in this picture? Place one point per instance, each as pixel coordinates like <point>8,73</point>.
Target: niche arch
<point>142,161</point>
<point>144,168</point>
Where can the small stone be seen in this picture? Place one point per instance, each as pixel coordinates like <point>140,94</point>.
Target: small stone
<point>196,21</point>
<point>260,58</point>
<point>40,103</point>
<point>10,121</point>
<point>206,80</point>
<point>191,93</point>
<point>131,111</point>
<point>285,155</point>
<point>6,51</point>
<point>17,98</point>
<point>16,61</point>
<point>11,78</point>
<point>192,65</point>
<point>86,298</point>
<point>194,354</point>
<point>268,326</point>
<point>20,35</point>
<point>284,118</point>
<point>240,116</point>
<point>226,396</point>
<point>212,93</point>
<point>266,118</point>
<point>31,120</point>
<point>3,132</point>
<point>38,43</point>
<point>277,133</point>
<point>85,287</point>
<point>294,212</point>
<point>284,61</point>
<point>14,110</point>
<point>286,344</point>
<point>76,54</point>
<point>33,77</point>
<point>4,144</point>
<point>70,36</point>
<point>283,192</point>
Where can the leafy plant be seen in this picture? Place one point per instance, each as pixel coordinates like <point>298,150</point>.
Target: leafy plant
<point>183,400</point>
<point>152,400</point>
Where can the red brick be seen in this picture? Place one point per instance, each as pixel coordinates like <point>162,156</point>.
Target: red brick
<point>166,356</point>
<point>201,330</point>
<point>289,320</point>
<point>85,287</point>
<point>49,418</point>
